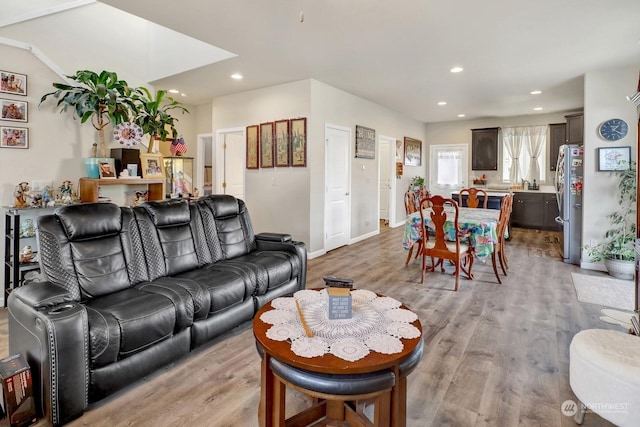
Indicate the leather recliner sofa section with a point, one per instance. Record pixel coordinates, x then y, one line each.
130 290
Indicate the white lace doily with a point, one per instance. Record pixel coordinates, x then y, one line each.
377 324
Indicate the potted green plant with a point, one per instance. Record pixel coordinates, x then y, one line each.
617 248
417 182
101 98
152 114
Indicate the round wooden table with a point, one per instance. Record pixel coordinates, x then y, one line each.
271 411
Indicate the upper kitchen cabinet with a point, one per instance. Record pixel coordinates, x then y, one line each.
484 149
557 137
575 128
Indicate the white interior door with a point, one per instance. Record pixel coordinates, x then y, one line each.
337 183
449 165
204 177
385 178
229 161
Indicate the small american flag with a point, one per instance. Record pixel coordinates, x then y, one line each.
178 147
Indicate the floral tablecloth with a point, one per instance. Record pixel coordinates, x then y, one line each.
481 224
378 323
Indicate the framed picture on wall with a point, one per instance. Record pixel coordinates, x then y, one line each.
399 151
298 136
266 145
614 158
12 110
412 152
365 142
13 83
14 137
282 142
253 140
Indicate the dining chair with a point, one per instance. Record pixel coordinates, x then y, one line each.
498 249
411 205
460 254
509 208
472 197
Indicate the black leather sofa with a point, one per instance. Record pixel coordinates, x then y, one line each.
129 290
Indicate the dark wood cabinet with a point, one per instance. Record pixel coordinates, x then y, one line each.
557 137
575 128
535 210
484 149
550 213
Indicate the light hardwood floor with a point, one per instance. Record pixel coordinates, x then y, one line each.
495 355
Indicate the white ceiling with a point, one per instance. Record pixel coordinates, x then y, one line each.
394 53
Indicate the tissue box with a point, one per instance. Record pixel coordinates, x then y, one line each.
339 303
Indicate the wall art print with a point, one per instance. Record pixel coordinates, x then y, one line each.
253 140
412 152
14 137
266 145
13 83
282 143
12 110
365 143
298 136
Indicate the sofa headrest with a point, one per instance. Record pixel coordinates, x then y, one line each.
168 212
222 205
89 220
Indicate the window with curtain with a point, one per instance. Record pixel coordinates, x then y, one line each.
523 158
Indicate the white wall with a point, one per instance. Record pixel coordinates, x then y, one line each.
605 98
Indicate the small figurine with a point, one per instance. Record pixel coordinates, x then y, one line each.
36 199
20 194
196 193
47 196
27 228
66 191
27 254
124 173
141 197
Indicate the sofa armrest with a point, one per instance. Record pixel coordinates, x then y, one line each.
274 237
54 339
293 246
42 295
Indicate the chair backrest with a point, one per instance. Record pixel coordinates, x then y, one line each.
423 193
437 205
505 214
411 202
472 197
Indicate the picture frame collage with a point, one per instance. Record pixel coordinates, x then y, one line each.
13 110
281 143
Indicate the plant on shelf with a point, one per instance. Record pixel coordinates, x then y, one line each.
417 182
102 98
152 115
618 244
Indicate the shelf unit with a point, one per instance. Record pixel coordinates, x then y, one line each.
90 187
14 270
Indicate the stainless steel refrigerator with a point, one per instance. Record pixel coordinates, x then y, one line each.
568 184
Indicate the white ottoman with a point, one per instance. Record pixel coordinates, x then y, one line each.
604 373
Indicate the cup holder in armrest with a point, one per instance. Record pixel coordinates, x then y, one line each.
61 308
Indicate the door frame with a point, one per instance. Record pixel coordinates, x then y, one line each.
326 162
200 152
218 156
392 182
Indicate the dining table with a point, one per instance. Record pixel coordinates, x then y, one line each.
480 224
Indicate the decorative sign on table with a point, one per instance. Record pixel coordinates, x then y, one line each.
339 303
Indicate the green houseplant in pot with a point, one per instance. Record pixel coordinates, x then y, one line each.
153 115
617 250
417 182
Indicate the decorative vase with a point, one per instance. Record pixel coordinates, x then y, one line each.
620 269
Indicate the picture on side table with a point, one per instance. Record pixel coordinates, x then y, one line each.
298 136
13 137
13 110
253 140
282 142
412 152
13 83
152 165
266 145
107 168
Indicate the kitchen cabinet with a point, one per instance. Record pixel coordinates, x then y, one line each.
535 210
19 232
575 128
550 213
484 149
557 137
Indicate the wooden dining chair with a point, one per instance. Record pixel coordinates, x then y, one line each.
411 205
472 197
460 254
509 208
498 256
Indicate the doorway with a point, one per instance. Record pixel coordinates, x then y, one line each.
229 162
337 211
448 169
204 164
386 189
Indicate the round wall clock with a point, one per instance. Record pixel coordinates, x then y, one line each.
613 129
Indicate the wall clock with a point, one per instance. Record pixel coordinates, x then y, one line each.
613 129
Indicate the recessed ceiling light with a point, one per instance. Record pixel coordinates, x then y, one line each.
537 108
236 76
457 69
174 91
462 115
442 103
535 92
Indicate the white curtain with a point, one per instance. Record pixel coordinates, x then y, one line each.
513 141
537 136
448 168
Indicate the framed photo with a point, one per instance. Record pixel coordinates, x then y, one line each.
253 140
13 83
266 145
282 142
298 136
107 168
614 158
399 151
365 143
152 165
13 110
14 137
412 152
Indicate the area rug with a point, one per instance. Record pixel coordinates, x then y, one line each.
604 290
